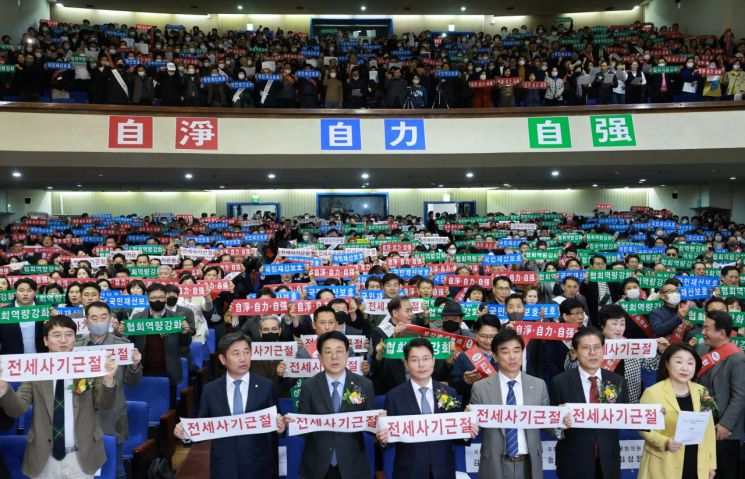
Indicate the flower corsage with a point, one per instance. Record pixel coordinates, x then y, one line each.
79 386
445 401
609 393
708 403
353 396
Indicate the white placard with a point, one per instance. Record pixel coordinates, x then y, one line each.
257 422
305 368
691 427
96 262
122 352
616 416
356 341
268 351
358 421
629 348
427 427
46 366
434 240
631 454
519 417
197 253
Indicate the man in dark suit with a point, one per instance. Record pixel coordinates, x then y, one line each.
332 455
464 373
587 453
26 337
421 395
252 456
172 293
599 294
723 375
161 353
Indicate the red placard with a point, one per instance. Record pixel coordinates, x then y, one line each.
535 85
462 343
486 245
480 362
218 285
603 206
463 281
259 307
237 252
334 271
196 133
443 268
398 262
522 277
130 132
387 248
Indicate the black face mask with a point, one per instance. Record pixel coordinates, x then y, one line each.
157 306
269 337
451 326
171 301
515 316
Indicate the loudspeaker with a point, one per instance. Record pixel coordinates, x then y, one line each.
675 195
27 200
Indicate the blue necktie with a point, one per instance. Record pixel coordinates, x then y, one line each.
336 404
425 404
510 435
237 398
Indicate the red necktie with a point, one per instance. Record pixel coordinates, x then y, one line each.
594 393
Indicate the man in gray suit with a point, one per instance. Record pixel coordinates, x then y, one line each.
65 439
510 453
334 455
723 374
112 421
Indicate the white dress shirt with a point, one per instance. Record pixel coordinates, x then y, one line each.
522 442
430 395
586 384
230 389
28 333
69 413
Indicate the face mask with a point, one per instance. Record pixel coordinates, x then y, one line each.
171 73
647 57
142 74
37 55
248 63
521 62
269 337
451 326
241 76
452 251
332 74
516 316
206 64
157 306
99 329
554 74
544 67
689 64
718 238
171 301
415 82
287 72
482 77
221 66
735 67
191 72
673 299
306 238
633 294
662 64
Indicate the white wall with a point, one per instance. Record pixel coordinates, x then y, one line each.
699 16
301 23
40 201
567 201
17 15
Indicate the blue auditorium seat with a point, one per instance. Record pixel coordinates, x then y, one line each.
285 406
294 445
11 98
184 378
155 391
79 96
211 342
44 99
137 417
197 350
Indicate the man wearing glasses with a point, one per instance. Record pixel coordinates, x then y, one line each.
464 373
588 453
669 319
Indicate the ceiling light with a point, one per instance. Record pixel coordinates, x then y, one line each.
79 186
463 8
662 186
188 176
271 176
17 174
240 7
365 206
440 186
555 173
222 187
60 5
363 8
469 175
594 185
732 178
50 187
625 187
364 176
642 180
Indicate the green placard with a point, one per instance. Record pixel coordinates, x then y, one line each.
465 243
378 228
431 256
548 276
7 296
604 246
696 316
665 69
563 20
570 237
40 268
655 282
142 327
640 307
612 130
697 248
599 29
258 50
603 41
732 292
7 68
469 258
24 314
143 271
610 275
52 298
394 347
356 229
598 237
79 59
295 394
648 257
728 257
740 342
549 132
435 313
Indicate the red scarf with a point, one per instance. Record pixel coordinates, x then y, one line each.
717 356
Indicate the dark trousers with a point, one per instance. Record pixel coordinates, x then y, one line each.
728 460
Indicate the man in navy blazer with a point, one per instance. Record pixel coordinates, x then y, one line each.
251 456
422 395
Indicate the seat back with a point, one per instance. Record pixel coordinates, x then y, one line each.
294 449
211 341
155 391
137 417
197 351
13 448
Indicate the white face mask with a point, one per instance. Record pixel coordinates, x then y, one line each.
483 77
142 74
633 294
673 299
332 74
521 62
452 251
689 64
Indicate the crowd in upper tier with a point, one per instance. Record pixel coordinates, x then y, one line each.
556 65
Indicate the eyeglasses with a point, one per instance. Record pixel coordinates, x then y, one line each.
488 337
594 348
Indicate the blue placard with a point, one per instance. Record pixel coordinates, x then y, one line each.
663 224
447 74
212 79
312 261
170 26
133 62
494 259
102 216
561 54
199 239
238 85
340 134
126 301
73 311
609 220
696 238
618 227
401 53
156 63
311 52
638 237
92 239
217 225
455 46
439 278
308 74
283 268
347 258
58 66
348 45
80 231
373 48
268 76
231 242
699 281
575 273
38 230
256 238
630 248
404 134
408 273
589 226
292 294
685 228
137 238
694 292
511 43
339 291
532 311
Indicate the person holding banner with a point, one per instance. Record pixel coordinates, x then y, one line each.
67 436
249 456
663 455
466 372
601 293
113 421
722 373
588 453
510 453
25 337
670 318
422 395
332 455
